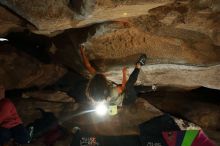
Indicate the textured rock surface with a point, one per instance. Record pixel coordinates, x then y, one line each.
8 21
180 36
173 57
174 75
159 49
199 106
18 70
50 96
52 15
42 14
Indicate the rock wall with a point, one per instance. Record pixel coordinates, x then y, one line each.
52 15
19 70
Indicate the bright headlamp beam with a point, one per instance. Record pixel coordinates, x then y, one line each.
3 39
101 109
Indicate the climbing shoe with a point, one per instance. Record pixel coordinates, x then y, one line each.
142 59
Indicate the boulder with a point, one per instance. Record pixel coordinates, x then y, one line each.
19 70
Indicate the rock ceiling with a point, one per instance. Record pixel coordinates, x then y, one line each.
181 39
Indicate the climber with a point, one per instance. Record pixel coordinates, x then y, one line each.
11 126
99 88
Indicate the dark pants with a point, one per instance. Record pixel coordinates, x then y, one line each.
130 92
55 133
18 133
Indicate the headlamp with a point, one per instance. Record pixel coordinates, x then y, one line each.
101 109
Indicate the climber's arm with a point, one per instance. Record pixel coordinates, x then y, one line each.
124 80
86 61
